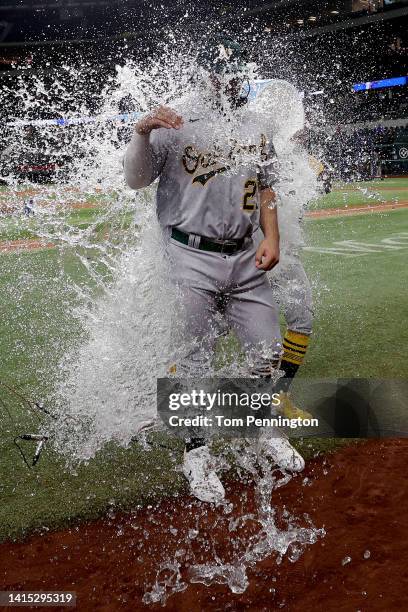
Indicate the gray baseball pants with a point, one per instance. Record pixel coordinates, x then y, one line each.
213 286
291 289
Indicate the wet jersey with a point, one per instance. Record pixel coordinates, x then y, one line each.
211 190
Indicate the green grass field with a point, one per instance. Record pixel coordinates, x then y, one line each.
364 193
360 297
360 331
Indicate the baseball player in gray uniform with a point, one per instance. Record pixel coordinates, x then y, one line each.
208 208
290 284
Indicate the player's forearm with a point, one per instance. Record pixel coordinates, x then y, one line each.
137 163
269 215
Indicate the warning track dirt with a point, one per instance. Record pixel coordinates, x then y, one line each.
34 244
333 212
358 494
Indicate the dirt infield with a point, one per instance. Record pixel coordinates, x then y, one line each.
353 210
34 244
372 188
25 245
7 208
357 494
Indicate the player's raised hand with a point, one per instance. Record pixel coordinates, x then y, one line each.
267 254
160 117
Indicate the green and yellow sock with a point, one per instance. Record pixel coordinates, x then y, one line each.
294 350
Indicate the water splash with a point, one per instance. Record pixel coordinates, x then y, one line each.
253 536
105 385
168 581
270 539
123 307
110 382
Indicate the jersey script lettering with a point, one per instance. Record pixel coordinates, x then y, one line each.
201 164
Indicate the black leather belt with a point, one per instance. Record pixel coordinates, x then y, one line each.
228 247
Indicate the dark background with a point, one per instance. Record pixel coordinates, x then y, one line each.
324 47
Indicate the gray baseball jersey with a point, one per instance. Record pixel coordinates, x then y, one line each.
290 284
209 185
211 190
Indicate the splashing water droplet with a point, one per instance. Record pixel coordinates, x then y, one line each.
119 300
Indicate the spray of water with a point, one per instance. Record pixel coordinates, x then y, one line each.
252 536
104 386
